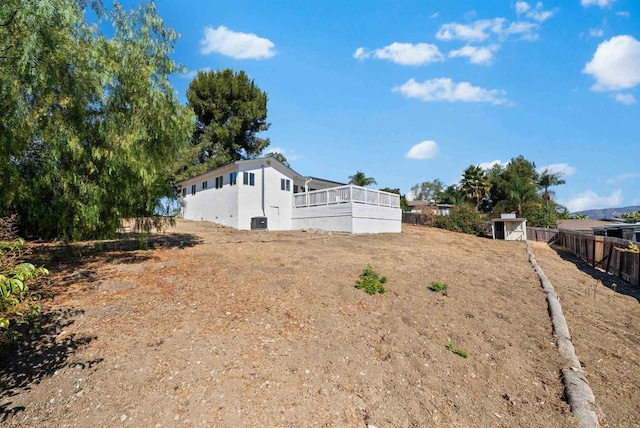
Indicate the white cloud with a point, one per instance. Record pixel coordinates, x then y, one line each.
477 31
596 32
623 177
403 53
616 64
193 73
537 14
522 7
477 55
527 30
626 99
601 3
623 14
489 165
435 15
235 44
559 168
425 150
589 200
444 89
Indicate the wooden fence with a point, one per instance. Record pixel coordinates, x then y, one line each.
414 218
543 234
600 252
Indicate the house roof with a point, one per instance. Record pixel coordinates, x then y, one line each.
280 165
585 225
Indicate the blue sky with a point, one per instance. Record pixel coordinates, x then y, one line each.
411 91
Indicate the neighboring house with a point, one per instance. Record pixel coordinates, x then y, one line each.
421 206
583 225
266 194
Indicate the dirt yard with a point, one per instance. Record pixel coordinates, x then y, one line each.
216 327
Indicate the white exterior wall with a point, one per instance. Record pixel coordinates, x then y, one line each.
211 204
277 203
376 219
351 217
515 230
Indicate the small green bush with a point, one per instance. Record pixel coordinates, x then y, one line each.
371 282
462 218
18 307
442 287
458 351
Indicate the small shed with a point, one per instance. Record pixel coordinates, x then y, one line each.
509 227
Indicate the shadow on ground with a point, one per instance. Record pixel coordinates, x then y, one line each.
615 283
36 357
127 248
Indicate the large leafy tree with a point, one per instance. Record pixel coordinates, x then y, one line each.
428 191
89 124
474 184
360 179
230 112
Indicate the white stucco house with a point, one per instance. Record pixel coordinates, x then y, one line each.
266 194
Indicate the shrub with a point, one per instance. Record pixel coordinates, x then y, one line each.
458 351
462 218
18 307
371 282
442 287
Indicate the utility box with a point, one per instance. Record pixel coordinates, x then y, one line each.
258 223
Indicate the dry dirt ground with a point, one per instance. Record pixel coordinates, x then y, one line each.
216 327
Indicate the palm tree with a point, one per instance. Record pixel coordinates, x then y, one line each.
521 192
474 184
360 179
548 179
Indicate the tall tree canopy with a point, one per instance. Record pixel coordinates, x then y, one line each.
474 184
230 111
89 124
360 179
549 179
431 191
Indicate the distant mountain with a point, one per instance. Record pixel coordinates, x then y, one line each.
608 212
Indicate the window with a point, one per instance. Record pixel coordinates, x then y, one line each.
204 184
285 184
184 192
233 178
249 178
193 189
219 182
295 188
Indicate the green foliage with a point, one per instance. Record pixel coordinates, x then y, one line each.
458 351
631 248
360 179
371 282
474 184
404 205
89 123
462 218
18 307
630 217
431 191
230 111
452 195
441 287
548 179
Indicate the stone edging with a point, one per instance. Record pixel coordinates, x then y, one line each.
576 386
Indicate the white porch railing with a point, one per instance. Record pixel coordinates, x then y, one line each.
343 194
